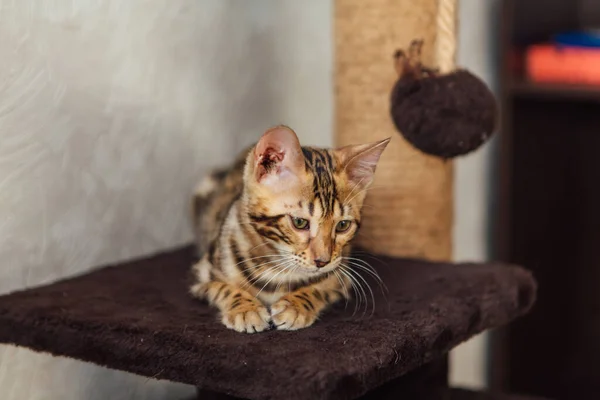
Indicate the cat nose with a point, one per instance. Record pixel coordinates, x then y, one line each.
320 263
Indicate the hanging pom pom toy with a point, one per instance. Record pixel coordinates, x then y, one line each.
444 115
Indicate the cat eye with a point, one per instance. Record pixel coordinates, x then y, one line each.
343 226
300 223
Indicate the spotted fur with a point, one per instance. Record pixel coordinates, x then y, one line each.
260 264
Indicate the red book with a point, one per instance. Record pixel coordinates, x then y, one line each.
552 64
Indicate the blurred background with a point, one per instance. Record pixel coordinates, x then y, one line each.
102 99
547 194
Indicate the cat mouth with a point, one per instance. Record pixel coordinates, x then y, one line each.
315 271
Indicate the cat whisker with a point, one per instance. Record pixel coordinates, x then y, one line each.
260 270
257 246
344 287
273 269
358 194
357 290
363 191
353 189
350 271
379 282
259 257
364 301
360 283
382 287
367 254
365 266
371 256
280 258
363 263
275 276
261 274
265 267
285 278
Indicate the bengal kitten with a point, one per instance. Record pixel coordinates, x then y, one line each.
274 230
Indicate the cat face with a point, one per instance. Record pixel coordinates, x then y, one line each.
306 201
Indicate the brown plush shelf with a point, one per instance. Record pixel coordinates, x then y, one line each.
138 317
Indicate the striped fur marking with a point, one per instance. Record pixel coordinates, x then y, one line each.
271 246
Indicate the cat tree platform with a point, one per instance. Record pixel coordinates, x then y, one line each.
138 317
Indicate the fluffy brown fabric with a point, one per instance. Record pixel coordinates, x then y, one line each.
432 393
138 317
447 115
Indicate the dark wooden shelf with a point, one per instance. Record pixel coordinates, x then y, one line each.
547 217
560 91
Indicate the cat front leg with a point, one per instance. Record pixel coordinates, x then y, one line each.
239 310
300 309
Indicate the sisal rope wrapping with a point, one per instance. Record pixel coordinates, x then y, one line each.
408 211
445 43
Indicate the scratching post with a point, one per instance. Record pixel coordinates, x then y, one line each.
408 211
445 44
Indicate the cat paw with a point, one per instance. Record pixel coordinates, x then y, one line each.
247 317
290 316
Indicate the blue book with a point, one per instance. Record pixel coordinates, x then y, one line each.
578 39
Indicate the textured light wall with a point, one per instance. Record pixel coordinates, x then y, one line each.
473 177
109 113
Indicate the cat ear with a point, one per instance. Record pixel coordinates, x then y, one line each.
277 155
360 161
